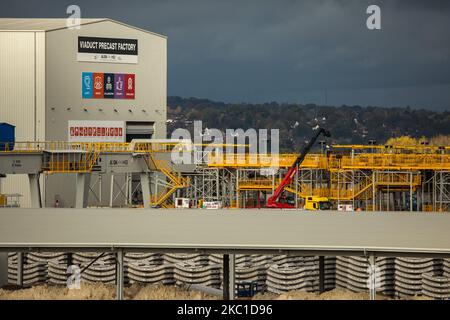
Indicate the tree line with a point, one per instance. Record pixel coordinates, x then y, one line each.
348 124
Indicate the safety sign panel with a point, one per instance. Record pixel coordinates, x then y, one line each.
96 85
96 131
129 88
86 85
119 86
108 85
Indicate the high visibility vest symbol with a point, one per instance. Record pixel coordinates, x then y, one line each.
108 83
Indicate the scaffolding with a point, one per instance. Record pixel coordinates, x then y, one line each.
374 178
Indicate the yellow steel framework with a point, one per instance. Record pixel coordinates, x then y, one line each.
264 161
352 172
177 182
375 161
423 158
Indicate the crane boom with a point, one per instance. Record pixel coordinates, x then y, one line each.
287 179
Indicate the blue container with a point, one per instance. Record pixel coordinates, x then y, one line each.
7 136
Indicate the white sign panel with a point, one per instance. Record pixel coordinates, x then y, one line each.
212 205
182 203
105 57
96 131
345 207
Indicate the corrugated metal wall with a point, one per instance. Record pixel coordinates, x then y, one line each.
20 63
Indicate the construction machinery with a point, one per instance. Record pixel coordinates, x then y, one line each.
317 203
278 194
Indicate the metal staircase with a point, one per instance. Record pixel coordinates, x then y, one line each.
164 200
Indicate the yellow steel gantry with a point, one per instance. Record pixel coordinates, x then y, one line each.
355 171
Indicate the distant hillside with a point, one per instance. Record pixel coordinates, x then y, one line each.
348 124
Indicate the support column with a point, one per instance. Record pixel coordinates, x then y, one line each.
119 275
20 269
69 259
145 185
237 188
36 202
372 278
111 191
127 189
226 277
35 190
100 189
83 181
373 191
232 287
3 269
411 191
321 274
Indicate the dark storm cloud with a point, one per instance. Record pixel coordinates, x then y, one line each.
290 50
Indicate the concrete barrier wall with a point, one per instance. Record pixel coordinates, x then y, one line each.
3 269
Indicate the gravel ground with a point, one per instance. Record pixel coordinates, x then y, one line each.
158 292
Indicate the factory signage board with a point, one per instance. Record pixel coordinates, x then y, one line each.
111 50
96 131
107 85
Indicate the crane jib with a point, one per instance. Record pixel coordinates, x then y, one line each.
272 201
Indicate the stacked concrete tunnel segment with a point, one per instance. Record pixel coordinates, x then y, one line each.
285 258
273 273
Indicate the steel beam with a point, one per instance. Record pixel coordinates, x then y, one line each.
372 278
35 190
20 269
145 185
3 269
232 269
120 280
321 274
82 190
69 259
226 277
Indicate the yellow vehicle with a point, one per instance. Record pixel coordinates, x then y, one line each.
2 200
317 203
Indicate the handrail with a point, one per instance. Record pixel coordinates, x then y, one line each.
379 161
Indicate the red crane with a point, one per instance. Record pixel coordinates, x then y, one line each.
273 200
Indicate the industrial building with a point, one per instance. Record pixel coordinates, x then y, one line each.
103 81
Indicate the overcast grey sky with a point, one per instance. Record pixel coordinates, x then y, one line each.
289 50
